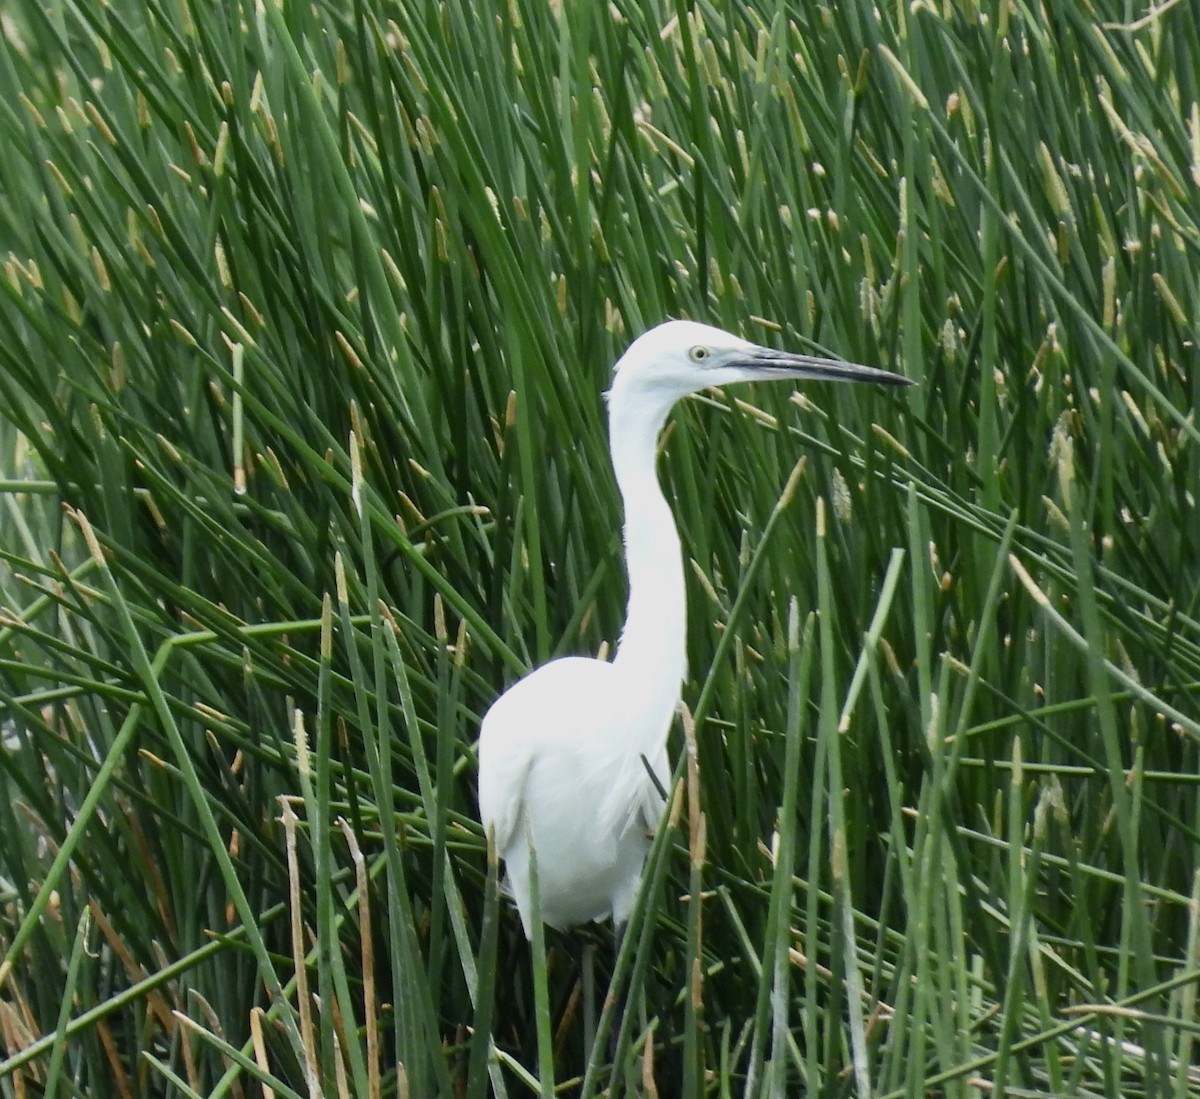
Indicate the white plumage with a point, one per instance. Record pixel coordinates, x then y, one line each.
561 751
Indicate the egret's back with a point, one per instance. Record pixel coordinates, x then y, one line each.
560 760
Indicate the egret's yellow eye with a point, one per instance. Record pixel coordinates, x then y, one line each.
698 354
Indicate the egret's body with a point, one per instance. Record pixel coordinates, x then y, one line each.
563 753
591 841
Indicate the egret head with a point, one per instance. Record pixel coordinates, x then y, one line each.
681 357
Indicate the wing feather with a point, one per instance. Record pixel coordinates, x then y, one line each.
505 759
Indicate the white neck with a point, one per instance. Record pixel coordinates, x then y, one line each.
652 653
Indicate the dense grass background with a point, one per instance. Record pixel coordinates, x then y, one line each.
306 310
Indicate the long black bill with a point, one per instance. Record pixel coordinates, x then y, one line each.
785 364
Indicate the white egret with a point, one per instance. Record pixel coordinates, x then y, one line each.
561 751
